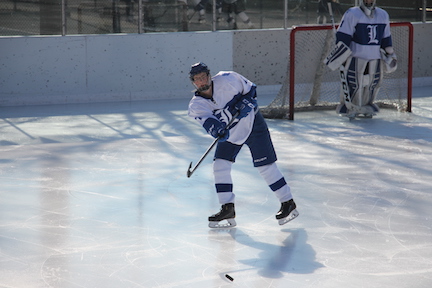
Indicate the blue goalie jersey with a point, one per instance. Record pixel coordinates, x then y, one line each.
364 35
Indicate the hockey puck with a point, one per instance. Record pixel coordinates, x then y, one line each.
229 277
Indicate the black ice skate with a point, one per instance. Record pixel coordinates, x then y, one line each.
287 212
227 213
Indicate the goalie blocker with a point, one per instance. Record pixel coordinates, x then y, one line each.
338 56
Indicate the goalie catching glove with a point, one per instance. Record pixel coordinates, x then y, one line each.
390 61
338 56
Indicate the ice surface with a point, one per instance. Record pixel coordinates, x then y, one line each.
96 195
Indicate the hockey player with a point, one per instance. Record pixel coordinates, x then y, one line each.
201 8
236 8
215 102
363 51
323 10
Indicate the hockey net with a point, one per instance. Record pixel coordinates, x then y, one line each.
310 85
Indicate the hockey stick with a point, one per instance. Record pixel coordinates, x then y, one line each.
315 94
331 16
190 18
190 171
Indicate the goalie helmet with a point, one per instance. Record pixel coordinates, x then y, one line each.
368 7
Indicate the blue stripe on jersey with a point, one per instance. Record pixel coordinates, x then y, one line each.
224 188
278 184
368 34
345 38
386 42
236 98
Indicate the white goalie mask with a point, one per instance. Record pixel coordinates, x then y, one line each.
368 7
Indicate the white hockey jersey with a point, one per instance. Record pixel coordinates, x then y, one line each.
364 35
226 86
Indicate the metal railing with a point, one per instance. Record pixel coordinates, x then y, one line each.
68 17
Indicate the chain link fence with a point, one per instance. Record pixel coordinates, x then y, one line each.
69 17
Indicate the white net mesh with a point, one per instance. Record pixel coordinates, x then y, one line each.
310 85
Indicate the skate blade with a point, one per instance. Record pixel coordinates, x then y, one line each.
229 224
368 116
290 217
351 116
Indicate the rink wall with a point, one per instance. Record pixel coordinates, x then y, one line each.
127 67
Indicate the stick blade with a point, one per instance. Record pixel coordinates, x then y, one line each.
189 172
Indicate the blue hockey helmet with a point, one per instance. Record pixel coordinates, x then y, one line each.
198 68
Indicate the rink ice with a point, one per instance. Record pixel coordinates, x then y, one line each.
96 195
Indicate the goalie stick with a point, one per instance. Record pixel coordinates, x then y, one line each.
190 171
315 94
331 17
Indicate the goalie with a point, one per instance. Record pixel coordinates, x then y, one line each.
363 51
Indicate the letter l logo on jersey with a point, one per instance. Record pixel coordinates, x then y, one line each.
372 34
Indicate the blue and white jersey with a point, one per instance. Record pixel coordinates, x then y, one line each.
364 35
228 87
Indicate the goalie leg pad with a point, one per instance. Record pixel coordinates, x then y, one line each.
349 86
361 75
375 79
338 56
360 80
